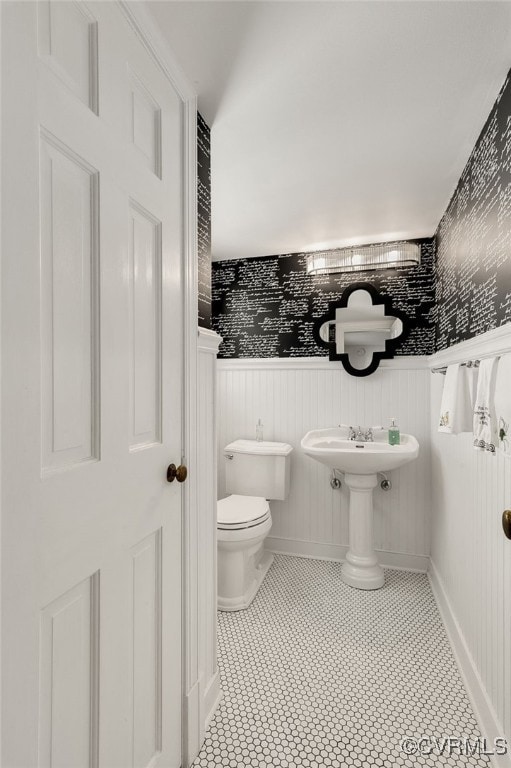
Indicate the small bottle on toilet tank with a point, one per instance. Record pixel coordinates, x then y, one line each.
259 431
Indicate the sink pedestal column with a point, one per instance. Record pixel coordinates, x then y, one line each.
361 568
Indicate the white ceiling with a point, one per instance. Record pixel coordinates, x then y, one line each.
336 122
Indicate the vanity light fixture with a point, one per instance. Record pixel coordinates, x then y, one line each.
364 258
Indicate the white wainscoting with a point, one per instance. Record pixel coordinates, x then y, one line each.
208 675
201 680
453 491
470 557
292 396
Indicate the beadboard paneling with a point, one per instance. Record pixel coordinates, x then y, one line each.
201 678
207 439
471 556
290 401
206 372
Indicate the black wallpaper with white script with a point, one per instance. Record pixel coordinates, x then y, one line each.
266 307
204 221
473 240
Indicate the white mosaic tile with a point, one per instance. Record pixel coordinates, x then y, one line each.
315 673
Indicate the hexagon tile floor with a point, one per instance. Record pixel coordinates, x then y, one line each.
315 673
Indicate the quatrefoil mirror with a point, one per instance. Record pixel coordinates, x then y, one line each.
361 329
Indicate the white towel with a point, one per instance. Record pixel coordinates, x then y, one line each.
485 422
457 408
503 404
471 373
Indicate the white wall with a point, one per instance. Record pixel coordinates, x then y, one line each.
292 396
207 547
470 557
201 680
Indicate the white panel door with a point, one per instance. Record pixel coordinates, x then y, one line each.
92 368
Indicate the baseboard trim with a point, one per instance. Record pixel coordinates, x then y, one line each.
211 699
192 741
337 552
488 721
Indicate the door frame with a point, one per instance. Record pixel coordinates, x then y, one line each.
149 34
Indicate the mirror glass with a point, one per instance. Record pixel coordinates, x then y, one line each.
360 329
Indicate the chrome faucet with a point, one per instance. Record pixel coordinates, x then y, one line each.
361 435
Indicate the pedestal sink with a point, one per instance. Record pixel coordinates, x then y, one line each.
360 462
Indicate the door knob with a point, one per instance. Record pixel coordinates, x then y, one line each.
176 473
506 522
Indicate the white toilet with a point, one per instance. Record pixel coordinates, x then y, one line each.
254 472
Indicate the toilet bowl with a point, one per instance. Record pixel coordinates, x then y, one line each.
255 471
243 523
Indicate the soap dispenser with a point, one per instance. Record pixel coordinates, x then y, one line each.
259 431
394 434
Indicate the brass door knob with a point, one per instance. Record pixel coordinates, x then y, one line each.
506 522
176 473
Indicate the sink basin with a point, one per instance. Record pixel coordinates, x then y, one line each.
333 448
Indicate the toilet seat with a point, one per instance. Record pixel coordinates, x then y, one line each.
238 512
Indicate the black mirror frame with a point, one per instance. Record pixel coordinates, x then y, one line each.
390 344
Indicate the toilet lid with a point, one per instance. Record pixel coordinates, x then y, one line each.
238 511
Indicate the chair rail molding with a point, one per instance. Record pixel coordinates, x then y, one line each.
208 340
399 363
494 342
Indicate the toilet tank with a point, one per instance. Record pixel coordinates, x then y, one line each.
258 468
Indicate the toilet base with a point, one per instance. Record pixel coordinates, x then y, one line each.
240 602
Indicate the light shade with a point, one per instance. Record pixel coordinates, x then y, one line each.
364 258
